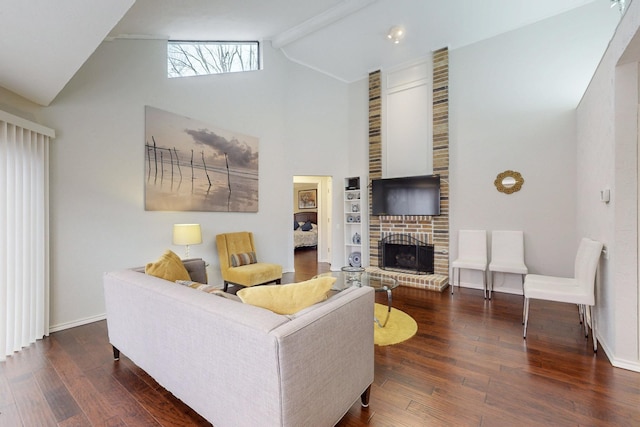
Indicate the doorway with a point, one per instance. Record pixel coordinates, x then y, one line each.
312 199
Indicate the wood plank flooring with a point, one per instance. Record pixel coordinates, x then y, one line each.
467 366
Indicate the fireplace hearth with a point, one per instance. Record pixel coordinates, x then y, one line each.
406 254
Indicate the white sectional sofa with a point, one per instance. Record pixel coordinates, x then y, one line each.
240 365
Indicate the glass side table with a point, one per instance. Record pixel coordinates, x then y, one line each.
352 275
356 276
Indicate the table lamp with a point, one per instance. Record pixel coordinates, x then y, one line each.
187 234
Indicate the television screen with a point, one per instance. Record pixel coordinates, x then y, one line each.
412 195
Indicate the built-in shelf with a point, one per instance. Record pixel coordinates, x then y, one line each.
355 207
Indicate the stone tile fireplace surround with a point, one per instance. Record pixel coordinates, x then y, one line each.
431 229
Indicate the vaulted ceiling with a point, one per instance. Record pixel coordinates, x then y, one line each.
43 43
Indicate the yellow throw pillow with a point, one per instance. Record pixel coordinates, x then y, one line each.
168 267
288 299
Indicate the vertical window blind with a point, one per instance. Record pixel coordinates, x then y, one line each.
24 232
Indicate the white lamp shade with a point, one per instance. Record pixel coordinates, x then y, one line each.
187 234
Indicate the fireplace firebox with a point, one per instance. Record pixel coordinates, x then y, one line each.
406 254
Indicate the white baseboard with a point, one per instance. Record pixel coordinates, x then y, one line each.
502 290
79 322
469 285
508 291
631 365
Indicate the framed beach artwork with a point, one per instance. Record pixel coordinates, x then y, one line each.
307 199
193 166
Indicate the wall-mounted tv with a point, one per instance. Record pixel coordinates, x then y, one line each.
411 195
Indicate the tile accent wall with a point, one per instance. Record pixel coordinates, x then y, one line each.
435 228
375 157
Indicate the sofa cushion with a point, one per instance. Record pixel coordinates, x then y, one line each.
168 267
254 274
244 258
290 298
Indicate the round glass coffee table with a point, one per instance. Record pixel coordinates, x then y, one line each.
349 277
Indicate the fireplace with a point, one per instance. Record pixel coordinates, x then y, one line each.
406 254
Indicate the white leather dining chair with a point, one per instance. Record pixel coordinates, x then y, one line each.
472 255
507 255
579 289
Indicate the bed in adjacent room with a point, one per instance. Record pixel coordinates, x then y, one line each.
305 230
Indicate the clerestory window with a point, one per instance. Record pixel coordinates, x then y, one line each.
197 58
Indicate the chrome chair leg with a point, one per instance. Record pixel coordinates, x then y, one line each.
526 316
593 328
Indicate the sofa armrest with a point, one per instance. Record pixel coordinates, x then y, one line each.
196 267
326 356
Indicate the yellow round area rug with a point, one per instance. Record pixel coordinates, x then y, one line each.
400 326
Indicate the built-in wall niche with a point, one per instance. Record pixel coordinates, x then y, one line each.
407 120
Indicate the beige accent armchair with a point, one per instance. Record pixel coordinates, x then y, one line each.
258 273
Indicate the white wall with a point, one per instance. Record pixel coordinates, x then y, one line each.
512 106
407 132
358 154
317 129
98 221
607 123
358 148
17 105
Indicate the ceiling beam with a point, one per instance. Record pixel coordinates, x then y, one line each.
317 22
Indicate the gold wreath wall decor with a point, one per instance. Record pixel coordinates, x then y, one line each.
509 182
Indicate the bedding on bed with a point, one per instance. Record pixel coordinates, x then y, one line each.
302 239
305 229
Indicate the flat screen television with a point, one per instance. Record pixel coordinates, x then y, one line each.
411 195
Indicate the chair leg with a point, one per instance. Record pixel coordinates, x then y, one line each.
226 285
526 316
484 283
585 322
593 329
453 279
490 283
581 313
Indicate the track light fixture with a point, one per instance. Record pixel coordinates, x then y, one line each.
619 3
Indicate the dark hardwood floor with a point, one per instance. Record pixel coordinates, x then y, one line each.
467 366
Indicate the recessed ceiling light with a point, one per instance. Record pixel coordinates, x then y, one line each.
396 33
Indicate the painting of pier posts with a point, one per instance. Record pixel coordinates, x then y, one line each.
192 166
